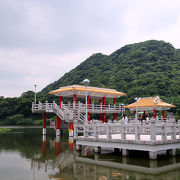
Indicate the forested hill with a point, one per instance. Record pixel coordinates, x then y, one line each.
143 69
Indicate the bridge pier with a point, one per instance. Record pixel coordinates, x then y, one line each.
125 152
97 149
171 152
152 155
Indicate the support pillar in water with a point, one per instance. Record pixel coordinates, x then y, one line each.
44 123
152 155
125 152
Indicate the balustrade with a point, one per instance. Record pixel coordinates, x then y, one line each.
136 132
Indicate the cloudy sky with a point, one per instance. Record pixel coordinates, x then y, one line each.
40 40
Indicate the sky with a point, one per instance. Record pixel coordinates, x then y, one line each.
41 40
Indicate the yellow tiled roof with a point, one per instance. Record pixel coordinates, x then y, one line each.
89 89
149 102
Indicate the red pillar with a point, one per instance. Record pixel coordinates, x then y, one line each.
58 122
100 115
104 107
44 122
155 114
163 114
114 102
75 99
88 107
60 101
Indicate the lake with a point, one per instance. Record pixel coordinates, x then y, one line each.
26 154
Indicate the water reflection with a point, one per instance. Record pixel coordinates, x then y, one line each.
30 155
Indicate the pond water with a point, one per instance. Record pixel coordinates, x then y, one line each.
26 154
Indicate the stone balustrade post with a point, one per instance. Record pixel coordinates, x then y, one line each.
123 132
164 133
173 131
137 134
108 131
92 105
40 105
152 130
95 132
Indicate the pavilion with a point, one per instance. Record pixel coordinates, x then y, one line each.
100 94
150 104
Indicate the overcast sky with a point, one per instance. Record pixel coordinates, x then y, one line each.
40 40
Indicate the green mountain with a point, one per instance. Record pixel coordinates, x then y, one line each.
143 69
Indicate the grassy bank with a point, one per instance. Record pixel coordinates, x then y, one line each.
4 130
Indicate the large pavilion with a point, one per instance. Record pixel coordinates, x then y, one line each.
100 94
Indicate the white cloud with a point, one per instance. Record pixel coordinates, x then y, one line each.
19 71
40 40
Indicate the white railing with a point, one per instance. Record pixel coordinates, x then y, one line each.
109 107
64 112
135 132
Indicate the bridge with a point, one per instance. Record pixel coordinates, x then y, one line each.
153 137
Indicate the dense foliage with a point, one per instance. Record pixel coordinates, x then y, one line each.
143 69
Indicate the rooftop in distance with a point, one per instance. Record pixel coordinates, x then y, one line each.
150 103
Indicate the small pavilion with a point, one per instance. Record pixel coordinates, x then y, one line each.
150 104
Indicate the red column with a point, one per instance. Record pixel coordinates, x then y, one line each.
75 99
60 101
58 123
114 102
104 107
44 122
100 115
163 114
88 107
155 114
